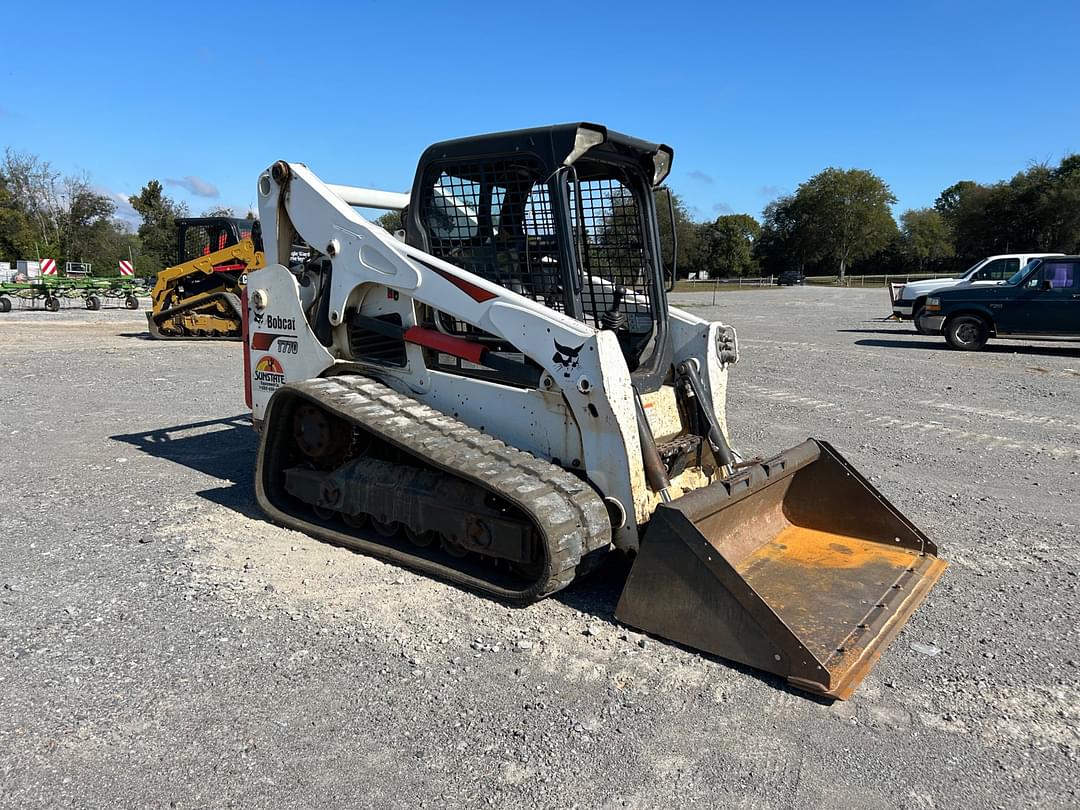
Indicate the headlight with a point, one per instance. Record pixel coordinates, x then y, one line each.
933 304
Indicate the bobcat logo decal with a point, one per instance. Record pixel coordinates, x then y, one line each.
566 357
258 317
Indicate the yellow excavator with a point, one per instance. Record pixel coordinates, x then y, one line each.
199 297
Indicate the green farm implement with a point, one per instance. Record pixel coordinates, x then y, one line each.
92 292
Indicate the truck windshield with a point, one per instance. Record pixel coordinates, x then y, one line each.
1019 275
973 268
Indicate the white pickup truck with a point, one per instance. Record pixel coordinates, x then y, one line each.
909 299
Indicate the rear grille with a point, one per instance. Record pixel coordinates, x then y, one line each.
375 347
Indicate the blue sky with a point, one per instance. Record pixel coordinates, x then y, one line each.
754 100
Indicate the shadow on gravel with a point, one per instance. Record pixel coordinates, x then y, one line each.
898 332
222 448
181 342
990 348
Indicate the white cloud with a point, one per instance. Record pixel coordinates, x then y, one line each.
124 212
195 185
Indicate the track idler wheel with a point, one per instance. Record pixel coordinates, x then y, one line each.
319 436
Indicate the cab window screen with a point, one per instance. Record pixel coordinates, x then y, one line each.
495 219
201 240
616 289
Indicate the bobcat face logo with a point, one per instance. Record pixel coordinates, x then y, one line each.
259 317
566 358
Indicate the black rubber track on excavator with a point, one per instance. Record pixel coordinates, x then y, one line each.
567 512
231 299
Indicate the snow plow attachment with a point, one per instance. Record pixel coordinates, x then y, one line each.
797 566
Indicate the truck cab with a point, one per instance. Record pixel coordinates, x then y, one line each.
909 299
1041 301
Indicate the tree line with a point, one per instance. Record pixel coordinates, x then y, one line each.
45 214
839 221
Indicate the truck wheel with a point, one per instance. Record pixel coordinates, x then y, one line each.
93 302
917 314
968 333
131 302
5 304
52 304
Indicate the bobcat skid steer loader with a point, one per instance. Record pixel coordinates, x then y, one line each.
499 394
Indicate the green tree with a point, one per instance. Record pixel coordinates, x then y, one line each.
1062 206
726 246
157 233
16 230
785 242
390 221
1037 209
924 236
686 230
87 229
45 215
843 215
35 187
218 211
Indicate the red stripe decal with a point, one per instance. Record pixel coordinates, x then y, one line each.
247 354
478 294
465 349
262 341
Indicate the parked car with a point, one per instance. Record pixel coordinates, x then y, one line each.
1041 301
909 299
789 278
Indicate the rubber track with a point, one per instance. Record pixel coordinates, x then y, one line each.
155 329
569 513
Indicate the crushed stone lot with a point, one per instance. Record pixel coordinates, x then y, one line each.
162 645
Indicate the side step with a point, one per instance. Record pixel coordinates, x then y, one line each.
797 566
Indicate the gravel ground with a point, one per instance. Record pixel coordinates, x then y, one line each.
161 645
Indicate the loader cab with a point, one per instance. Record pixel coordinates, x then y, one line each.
201 236
561 215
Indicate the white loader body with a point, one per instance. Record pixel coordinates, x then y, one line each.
375 274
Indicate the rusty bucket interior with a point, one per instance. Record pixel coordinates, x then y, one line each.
797 566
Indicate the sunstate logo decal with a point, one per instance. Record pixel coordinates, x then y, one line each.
269 374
